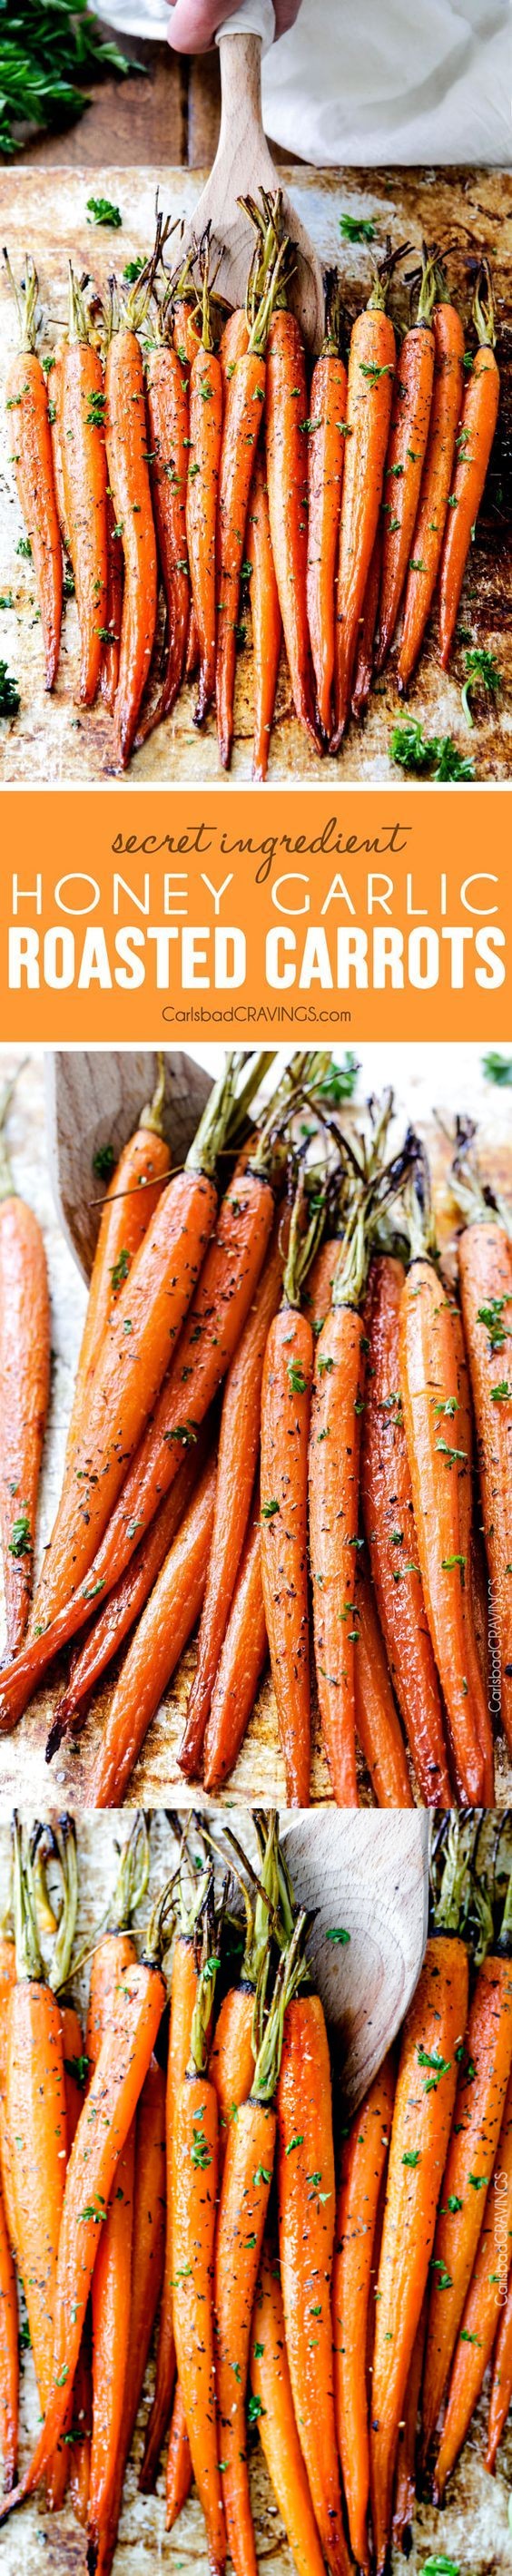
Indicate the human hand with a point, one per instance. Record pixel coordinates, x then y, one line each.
193 23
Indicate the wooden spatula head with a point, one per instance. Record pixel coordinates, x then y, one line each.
94 1099
242 166
363 1874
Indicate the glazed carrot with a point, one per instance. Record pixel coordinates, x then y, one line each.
54 383
32 460
109 673
184 1985
128 474
477 2118
244 2198
127 1600
271 2389
156 1647
111 2282
7 1980
265 613
205 432
129 1204
333 1510
362 2169
326 453
405 2479
474 442
24 1388
371 369
84 469
377 1725
243 1656
388 1515
242 425
287 473
501 2389
233 2053
9 2363
485 1273
233 345
483 2307
193 645
435 485
410 417
238 1456
194 2191
285 1424
424 2098
365 655
437 1463
36 2118
306 2194
148 2248
178 2475
476 1671
168 410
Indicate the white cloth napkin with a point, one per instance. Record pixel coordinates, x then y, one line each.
408 81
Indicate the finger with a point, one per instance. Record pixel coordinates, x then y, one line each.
193 23
286 13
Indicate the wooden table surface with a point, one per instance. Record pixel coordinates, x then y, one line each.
168 112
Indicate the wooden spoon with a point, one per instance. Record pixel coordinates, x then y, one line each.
95 1099
242 166
365 1874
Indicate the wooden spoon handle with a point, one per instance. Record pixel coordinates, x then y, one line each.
240 71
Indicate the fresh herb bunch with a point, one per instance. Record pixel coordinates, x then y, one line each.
47 50
428 755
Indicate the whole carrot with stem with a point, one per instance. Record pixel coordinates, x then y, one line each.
363 2164
485 1274
156 1647
410 417
377 1724
433 2032
326 456
36 2110
132 1198
184 1985
287 471
84 470
306 2201
338 1395
429 528
482 2310
125 1604
265 612
365 654
111 2284
244 2199
233 2052
242 427
242 1659
128 474
24 1387
437 1463
482 2085
285 1423
474 442
194 2190
388 1515
238 1456
147 2268
205 432
371 369
32 460
277 2427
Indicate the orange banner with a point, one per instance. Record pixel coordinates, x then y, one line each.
142 915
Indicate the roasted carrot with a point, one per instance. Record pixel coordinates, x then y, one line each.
285 1425
168 412
109 673
7 1980
24 1388
233 2051
306 2194
435 484
156 1647
184 1985
362 2168
326 452
32 460
9 2363
128 474
232 346
54 382
243 1656
371 369
242 425
287 472
437 1463
483 2307
476 1670
424 2098
36 2118
377 1724
482 2085
277 2427
84 469
126 1602
111 2283
405 2478
474 442
485 1273
205 434
388 1514
178 2475
410 417
265 612
187 327
132 1198
238 1456
333 1508
194 2190
148 2247
244 2198
365 654
106 2118
501 2389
